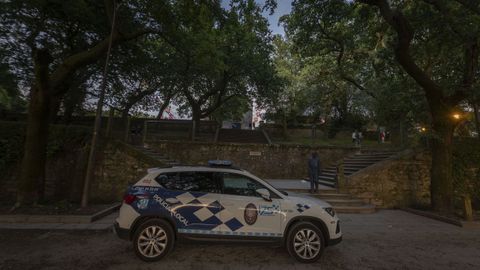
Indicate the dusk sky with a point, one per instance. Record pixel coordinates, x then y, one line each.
283 7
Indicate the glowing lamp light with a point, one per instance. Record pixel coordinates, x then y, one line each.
456 116
423 129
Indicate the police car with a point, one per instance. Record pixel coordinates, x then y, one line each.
220 202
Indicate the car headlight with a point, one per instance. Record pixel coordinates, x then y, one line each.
330 211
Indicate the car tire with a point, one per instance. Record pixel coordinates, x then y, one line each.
305 242
153 239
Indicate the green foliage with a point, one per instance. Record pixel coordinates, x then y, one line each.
232 109
11 143
219 53
350 51
466 167
10 97
61 138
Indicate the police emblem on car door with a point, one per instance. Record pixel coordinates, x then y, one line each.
257 216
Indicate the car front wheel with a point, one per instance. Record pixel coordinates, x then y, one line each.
153 240
305 242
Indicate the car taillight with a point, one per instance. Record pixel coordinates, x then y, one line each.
129 198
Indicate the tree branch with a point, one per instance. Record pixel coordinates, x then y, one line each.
405 35
217 105
470 6
83 58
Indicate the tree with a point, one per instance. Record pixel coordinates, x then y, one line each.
313 88
142 75
418 35
223 53
447 79
61 37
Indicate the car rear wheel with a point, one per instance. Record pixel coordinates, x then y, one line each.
153 240
305 242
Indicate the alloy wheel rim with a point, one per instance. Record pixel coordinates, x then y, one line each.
152 241
307 244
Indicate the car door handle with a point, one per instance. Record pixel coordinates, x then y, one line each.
172 200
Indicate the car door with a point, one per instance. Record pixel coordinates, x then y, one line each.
192 198
245 212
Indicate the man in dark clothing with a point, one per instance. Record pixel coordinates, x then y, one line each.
313 171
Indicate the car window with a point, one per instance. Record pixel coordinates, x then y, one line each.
189 181
237 184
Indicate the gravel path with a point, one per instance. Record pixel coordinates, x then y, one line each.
388 239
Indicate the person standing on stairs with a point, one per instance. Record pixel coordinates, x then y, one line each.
313 172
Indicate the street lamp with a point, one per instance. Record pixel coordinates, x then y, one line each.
456 116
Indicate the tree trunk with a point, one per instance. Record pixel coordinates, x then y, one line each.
111 114
163 108
54 108
126 124
477 118
441 187
196 116
32 175
284 125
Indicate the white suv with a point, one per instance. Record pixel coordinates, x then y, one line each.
219 202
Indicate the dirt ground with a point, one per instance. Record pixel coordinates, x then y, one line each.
388 239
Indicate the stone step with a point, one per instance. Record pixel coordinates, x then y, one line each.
332 196
378 153
327 183
345 202
354 166
327 179
365 209
362 159
303 191
350 162
332 170
159 156
328 173
372 155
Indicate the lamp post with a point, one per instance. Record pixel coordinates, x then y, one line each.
98 117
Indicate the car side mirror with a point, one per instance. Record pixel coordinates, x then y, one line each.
264 193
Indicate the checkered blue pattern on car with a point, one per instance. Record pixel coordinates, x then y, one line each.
201 210
302 207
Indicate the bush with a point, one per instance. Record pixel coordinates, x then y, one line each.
61 138
466 167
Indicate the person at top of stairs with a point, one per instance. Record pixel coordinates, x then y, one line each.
313 171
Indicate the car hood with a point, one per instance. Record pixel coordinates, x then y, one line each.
303 198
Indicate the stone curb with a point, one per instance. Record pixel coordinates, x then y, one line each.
55 227
456 222
60 219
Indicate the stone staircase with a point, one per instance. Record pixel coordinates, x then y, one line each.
354 164
341 202
344 203
156 155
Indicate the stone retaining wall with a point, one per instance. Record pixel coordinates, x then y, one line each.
267 161
118 166
398 182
